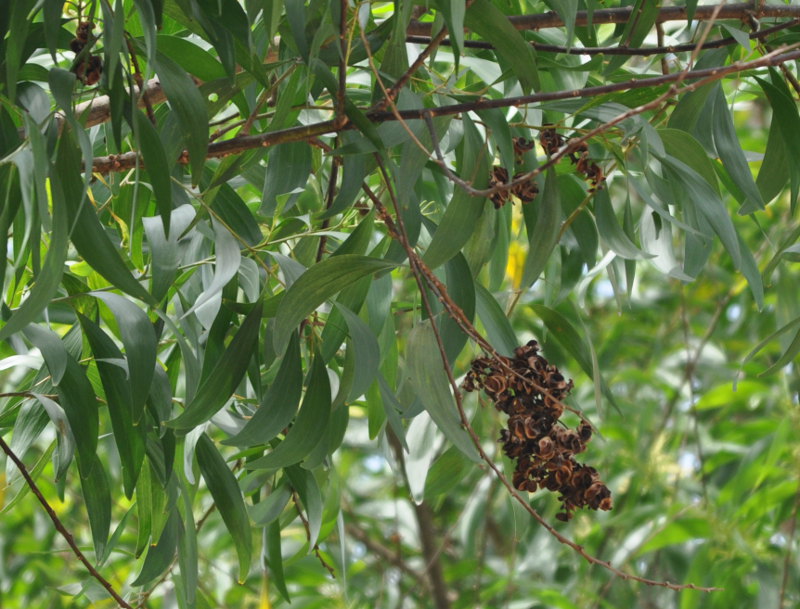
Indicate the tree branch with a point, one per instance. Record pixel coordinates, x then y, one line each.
61 528
541 21
237 145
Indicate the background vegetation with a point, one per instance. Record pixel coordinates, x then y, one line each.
252 249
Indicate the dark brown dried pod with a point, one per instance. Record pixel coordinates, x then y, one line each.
550 139
521 146
525 191
498 177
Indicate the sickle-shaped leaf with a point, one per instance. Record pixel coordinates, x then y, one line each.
309 426
218 386
75 393
228 498
278 405
139 339
427 376
318 284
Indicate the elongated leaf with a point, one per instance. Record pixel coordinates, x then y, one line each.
274 558
155 159
97 498
279 405
315 286
160 556
491 24
128 437
267 510
65 187
461 216
228 258
165 251
140 343
563 331
218 386
190 109
610 230
543 236
427 376
730 152
367 352
305 484
228 498
498 328
74 391
309 426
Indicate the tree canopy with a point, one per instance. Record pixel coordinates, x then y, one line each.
399 304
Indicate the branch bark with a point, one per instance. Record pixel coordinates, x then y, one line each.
61 528
742 10
237 145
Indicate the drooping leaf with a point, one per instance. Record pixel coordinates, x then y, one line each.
228 498
279 404
308 428
219 385
315 286
426 375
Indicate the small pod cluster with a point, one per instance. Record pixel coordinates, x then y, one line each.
552 141
525 191
530 391
88 67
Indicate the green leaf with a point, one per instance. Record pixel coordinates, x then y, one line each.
367 352
228 498
309 427
610 230
65 188
279 404
128 437
461 216
498 328
305 484
427 375
165 252
222 381
139 340
730 152
97 498
228 257
563 331
274 557
318 284
486 20
266 511
155 160
74 391
160 556
189 107
543 235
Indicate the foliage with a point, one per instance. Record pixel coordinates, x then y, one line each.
253 248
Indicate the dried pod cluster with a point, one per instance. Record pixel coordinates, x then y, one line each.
552 141
88 67
530 391
525 191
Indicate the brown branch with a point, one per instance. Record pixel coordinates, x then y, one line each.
237 145
98 110
551 19
61 528
620 50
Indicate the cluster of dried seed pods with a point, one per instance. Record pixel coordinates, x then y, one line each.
530 391
525 191
552 141
88 68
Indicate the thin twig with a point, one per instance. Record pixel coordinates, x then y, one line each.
61 528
